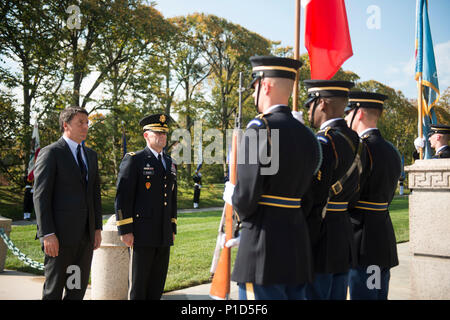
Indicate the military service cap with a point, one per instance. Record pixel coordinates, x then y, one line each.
273 67
155 122
439 128
326 89
360 99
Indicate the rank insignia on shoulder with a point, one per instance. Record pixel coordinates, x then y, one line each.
131 154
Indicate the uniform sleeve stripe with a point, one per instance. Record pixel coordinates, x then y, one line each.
124 221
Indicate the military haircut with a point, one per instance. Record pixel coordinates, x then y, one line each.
67 115
336 105
372 113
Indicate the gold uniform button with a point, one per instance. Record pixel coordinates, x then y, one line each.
165 203
165 194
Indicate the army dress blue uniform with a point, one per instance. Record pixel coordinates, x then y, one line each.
274 258
373 230
326 202
275 247
146 205
444 151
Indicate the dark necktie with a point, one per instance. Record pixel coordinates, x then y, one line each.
160 161
81 164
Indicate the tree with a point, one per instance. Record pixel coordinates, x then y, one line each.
227 48
28 41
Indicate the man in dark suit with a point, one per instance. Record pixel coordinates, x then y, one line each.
68 207
274 259
327 200
373 230
146 210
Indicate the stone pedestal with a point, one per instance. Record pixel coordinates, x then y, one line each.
109 275
429 228
5 224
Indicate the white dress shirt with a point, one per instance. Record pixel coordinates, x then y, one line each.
156 156
73 148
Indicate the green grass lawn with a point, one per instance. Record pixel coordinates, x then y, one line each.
190 259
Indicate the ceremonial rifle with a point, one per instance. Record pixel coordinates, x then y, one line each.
220 286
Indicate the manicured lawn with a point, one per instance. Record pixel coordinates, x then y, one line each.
191 256
399 210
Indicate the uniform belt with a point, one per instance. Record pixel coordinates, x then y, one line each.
337 206
282 202
372 206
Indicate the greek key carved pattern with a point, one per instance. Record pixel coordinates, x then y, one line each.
429 180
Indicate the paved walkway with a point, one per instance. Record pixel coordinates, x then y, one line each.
23 286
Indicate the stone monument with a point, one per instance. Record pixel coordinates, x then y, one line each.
110 263
5 224
429 228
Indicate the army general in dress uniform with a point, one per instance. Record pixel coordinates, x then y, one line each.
327 200
274 258
373 229
146 210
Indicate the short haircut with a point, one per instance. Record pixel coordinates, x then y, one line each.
67 115
372 113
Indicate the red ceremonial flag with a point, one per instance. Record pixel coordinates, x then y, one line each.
327 37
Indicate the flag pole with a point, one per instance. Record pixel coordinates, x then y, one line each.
296 53
420 113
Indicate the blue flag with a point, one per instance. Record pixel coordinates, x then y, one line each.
426 71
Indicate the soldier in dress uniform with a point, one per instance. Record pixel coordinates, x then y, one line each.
197 188
146 209
28 205
337 179
439 136
274 257
373 231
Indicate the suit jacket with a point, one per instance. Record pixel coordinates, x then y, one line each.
274 246
331 231
146 199
373 229
64 204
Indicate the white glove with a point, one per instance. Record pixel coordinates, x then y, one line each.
228 192
234 242
299 116
419 143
